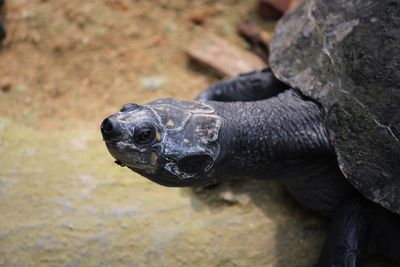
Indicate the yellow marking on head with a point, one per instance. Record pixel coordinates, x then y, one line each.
154 158
158 136
170 123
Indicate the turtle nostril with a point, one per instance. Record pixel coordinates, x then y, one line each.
110 128
107 126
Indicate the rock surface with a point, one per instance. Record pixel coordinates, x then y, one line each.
64 203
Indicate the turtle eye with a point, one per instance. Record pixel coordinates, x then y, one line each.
144 133
129 107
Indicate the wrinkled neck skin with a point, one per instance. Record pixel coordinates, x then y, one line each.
269 138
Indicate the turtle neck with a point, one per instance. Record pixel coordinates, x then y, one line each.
258 137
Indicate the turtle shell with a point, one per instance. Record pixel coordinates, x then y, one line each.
345 54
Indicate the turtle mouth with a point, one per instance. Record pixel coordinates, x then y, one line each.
165 178
127 154
190 170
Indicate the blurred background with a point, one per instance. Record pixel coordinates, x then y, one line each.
67 64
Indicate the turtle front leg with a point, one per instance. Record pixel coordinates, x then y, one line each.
250 86
348 234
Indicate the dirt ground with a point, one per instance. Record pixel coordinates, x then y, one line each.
69 63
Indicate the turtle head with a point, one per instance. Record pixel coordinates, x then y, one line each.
171 142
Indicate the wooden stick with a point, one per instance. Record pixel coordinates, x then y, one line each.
256 38
222 56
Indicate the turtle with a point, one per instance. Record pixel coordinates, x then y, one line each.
323 119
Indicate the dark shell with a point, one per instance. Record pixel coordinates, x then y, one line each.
346 55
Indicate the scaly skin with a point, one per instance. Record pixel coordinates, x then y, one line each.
252 86
259 136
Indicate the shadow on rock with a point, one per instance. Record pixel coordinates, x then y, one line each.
297 234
